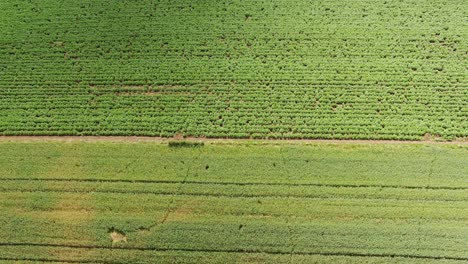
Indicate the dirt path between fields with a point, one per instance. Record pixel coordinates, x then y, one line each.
215 140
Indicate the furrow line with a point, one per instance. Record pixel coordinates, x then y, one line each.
240 183
225 195
46 260
243 251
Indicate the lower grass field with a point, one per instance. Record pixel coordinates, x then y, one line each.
226 202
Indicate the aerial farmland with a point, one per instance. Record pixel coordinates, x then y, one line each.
234 131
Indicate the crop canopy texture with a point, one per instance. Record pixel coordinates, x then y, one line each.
359 69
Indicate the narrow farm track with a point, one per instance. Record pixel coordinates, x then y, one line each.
243 196
45 260
460 141
232 201
236 183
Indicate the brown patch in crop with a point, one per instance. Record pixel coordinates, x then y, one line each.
63 164
57 44
70 214
70 217
77 255
152 93
178 136
255 259
148 90
432 138
71 210
117 236
127 93
183 212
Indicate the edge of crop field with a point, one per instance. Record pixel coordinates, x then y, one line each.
117 139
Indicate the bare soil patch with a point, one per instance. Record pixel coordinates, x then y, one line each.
117 236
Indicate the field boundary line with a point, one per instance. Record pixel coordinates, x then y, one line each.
244 251
463 141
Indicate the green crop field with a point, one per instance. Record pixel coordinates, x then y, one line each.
228 70
247 202
358 69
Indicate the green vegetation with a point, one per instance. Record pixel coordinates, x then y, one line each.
233 202
360 69
185 144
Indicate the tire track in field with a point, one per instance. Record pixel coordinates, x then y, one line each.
454 188
45 260
243 251
5 190
291 236
420 220
432 166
